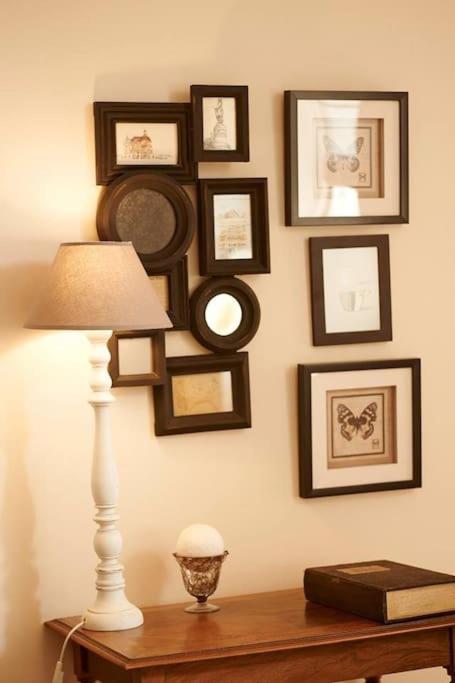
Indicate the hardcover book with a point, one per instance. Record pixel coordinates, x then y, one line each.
381 590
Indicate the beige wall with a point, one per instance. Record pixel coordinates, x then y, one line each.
57 57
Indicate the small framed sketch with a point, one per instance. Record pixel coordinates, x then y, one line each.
234 229
172 289
220 122
138 136
350 289
360 427
346 157
138 358
203 393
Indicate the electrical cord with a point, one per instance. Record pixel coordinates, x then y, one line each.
59 673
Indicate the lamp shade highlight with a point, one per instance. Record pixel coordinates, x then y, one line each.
98 286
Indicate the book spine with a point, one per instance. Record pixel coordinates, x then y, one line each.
364 601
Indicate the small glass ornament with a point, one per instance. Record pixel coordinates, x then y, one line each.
200 577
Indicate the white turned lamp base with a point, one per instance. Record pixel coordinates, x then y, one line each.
113 621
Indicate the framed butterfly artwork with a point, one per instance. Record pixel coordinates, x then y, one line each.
346 158
360 427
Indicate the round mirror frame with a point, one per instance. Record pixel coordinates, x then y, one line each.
251 314
159 182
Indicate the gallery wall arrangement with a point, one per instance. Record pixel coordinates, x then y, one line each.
145 154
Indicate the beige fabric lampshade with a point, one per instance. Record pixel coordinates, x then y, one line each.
98 286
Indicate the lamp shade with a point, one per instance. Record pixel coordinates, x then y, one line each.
98 286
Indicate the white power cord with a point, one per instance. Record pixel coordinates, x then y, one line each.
59 673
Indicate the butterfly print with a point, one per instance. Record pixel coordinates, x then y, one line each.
341 160
352 425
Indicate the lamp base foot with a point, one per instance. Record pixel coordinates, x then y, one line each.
113 621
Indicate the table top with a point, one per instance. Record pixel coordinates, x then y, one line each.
247 624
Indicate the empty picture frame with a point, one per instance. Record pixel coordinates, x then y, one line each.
350 289
203 393
138 358
234 226
220 122
359 427
143 136
171 285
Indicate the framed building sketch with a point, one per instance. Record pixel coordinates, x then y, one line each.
359 427
234 226
171 285
350 289
346 157
203 393
138 358
220 122
143 136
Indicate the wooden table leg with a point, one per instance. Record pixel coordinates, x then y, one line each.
80 668
373 679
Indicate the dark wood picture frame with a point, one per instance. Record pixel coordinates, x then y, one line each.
185 219
239 418
317 246
240 93
260 261
157 376
177 287
108 114
251 314
291 99
305 373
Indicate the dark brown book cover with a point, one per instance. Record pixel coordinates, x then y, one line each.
381 590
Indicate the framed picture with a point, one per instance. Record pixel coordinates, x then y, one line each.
346 157
234 226
350 289
203 393
360 427
143 136
172 288
220 122
138 358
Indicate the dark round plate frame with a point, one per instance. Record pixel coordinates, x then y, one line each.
251 314
176 195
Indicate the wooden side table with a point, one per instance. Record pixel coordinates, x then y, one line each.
263 638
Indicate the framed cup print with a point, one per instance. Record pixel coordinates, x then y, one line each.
203 393
143 136
359 427
234 226
346 158
220 122
350 289
138 358
171 285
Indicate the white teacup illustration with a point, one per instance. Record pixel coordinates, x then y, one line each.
359 299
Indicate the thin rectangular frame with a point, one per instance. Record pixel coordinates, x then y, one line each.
158 376
316 247
291 98
257 188
108 114
240 93
305 373
179 302
240 418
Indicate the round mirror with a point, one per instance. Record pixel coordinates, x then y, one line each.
223 314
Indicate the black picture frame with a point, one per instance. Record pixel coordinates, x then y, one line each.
177 287
166 423
250 308
108 114
257 189
317 246
291 101
305 373
158 351
240 93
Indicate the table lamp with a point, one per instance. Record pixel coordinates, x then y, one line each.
100 287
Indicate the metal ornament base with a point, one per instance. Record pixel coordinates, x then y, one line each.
201 608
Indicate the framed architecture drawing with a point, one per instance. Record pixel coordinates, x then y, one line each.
220 122
234 226
143 136
350 289
360 427
203 393
346 158
138 358
171 285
